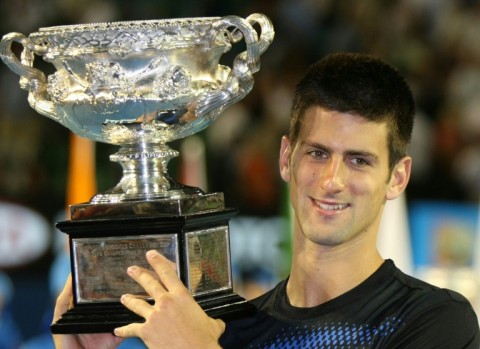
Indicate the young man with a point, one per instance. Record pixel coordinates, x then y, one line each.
345 156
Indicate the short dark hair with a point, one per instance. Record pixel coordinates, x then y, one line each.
363 85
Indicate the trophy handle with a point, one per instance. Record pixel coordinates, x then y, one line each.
266 31
31 79
240 80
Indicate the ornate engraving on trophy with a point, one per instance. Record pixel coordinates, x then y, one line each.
139 85
101 263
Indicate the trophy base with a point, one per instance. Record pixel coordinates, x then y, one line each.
103 247
104 319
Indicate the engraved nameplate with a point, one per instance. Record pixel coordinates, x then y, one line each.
100 264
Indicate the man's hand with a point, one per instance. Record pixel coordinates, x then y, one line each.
79 341
175 320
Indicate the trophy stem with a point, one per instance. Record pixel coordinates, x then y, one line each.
144 175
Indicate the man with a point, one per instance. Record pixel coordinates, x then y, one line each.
346 154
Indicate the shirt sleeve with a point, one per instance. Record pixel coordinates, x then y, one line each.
449 324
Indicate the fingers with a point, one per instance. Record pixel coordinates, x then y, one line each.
150 282
166 270
163 279
157 284
131 330
138 306
175 320
64 300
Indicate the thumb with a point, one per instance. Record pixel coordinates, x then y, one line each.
64 300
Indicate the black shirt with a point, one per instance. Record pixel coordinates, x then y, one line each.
388 310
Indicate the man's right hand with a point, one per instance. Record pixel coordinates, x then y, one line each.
79 341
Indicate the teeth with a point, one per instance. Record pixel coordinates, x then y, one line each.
331 207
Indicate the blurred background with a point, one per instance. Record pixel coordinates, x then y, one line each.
432 232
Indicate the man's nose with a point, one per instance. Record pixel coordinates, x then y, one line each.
333 177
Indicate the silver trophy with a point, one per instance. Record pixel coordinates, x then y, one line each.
141 85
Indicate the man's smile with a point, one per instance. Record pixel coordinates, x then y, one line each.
329 206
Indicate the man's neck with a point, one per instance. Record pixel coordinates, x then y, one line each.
320 273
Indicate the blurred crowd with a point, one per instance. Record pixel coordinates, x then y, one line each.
434 43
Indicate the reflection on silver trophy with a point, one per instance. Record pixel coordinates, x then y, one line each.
141 85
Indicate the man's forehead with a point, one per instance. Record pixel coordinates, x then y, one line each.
324 126
314 111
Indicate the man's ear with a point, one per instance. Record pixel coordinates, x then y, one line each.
399 178
284 159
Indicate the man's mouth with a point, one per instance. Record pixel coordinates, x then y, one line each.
330 206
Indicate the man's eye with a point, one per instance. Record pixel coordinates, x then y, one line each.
318 154
359 162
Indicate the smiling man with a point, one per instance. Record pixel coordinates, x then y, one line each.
345 156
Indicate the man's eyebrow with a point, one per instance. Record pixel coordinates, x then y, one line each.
361 153
348 152
317 146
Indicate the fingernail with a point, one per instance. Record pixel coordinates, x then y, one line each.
152 254
132 269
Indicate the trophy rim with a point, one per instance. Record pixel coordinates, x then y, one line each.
124 25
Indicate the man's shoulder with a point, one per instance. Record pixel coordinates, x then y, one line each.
437 317
424 295
434 315
420 290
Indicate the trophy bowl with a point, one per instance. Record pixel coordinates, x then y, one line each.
139 85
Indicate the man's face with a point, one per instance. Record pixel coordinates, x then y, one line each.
339 176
